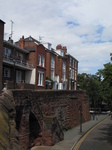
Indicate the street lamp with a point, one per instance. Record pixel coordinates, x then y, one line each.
14 61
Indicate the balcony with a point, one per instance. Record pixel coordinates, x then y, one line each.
18 63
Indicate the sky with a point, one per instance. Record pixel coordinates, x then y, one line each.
83 26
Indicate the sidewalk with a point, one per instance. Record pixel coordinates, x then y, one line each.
72 136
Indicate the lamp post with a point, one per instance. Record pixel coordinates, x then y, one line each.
14 61
80 118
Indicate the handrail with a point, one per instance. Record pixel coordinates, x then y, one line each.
18 61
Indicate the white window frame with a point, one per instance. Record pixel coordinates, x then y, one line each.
52 68
73 63
70 61
40 78
7 52
43 61
6 72
72 73
64 72
39 60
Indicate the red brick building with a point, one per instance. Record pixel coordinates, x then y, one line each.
37 56
61 68
16 66
1 50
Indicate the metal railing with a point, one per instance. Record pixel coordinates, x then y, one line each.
18 61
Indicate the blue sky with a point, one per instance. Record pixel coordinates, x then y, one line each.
84 26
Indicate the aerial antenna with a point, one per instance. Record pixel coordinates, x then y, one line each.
11 28
40 38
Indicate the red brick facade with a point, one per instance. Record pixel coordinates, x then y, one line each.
1 50
64 105
40 68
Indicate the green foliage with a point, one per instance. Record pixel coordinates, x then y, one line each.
92 84
106 83
99 86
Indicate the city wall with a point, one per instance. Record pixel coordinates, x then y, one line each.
40 117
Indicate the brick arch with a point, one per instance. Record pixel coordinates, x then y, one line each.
27 117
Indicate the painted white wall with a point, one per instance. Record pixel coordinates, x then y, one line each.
60 86
30 77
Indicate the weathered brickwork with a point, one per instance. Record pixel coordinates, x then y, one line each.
45 105
1 50
39 116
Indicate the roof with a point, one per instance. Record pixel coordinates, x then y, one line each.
2 21
31 39
14 46
67 54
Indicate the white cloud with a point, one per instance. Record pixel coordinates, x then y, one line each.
84 26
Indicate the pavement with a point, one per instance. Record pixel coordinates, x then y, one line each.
72 136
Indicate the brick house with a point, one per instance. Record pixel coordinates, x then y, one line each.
68 68
1 50
59 70
16 66
37 56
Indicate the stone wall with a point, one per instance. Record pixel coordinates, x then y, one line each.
39 116
9 137
64 105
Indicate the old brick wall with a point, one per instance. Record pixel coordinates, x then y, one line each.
39 116
64 105
1 50
9 136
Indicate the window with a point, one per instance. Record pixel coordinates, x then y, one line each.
40 78
63 72
18 76
39 60
73 64
7 52
70 62
52 68
6 72
42 61
73 74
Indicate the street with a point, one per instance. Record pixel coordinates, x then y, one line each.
100 138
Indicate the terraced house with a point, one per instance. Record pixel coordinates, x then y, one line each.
28 63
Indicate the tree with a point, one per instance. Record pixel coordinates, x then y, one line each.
106 83
92 84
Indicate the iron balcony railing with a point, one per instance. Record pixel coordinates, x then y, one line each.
18 62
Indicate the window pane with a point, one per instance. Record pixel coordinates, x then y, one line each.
6 72
42 61
39 60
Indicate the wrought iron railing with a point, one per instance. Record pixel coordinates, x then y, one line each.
18 61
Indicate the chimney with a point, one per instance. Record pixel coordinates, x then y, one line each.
22 42
64 50
58 47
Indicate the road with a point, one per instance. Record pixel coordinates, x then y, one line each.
99 138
